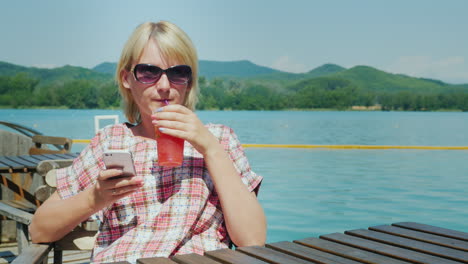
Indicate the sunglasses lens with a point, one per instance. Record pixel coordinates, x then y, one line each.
147 73
180 74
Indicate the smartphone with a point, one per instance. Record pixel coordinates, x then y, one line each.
120 159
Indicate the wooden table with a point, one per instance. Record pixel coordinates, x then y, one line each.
398 243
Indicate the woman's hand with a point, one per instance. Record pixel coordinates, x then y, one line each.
181 122
108 189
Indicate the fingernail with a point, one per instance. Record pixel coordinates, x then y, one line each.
159 110
161 129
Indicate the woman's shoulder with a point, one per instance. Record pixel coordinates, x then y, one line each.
218 128
117 129
225 134
120 132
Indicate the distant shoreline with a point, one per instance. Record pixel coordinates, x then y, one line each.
351 109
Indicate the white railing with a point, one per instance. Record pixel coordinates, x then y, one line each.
98 118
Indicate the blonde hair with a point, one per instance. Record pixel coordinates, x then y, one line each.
175 46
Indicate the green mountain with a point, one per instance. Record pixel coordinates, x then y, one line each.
47 76
364 77
212 69
371 79
106 67
325 70
239 85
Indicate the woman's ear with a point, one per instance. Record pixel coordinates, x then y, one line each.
124 75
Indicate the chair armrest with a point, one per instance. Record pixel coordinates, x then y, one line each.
15 214
34 254
77 239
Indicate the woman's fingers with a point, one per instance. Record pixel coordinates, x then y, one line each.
172 112
109 174
112 182
124 181
181 122
123 190
174 108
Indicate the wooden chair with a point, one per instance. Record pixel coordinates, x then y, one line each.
81 238
19 188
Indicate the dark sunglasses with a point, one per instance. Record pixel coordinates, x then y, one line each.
149 74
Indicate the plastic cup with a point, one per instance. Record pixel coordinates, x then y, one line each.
170 150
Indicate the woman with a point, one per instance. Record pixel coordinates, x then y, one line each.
205 204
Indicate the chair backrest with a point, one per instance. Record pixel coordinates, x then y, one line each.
62 144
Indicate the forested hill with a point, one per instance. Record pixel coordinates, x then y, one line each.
239 85
50 76
212 69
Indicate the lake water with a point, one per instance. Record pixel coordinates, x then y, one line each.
309 192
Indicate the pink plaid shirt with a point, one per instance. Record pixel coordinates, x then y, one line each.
177 211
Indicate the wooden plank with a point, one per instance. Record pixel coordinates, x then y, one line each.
40 157
157 260
16 179
63 156
25 163
232 257
33 254
22 236
13 165
51 156
309 253
15 214
193 259
4 167
29 158
421 236
434 230
22 205
415 245
68 155
57 156
347 251
387 250
270 255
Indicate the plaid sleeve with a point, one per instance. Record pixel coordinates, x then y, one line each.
236 152
83 172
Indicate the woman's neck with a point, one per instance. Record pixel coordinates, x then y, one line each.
144 129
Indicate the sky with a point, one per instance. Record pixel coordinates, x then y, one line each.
420 38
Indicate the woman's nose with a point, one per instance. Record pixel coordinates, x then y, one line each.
163 83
